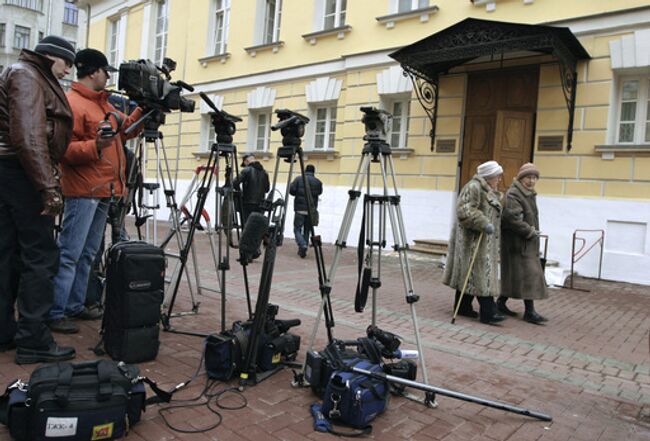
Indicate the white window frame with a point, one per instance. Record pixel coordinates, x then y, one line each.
329 132
388 103
339 14
162 12
28 35
259 133
414 6
208 134
272 23
642 116
219 34
113 43
3 34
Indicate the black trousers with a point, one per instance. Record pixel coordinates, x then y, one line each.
29 260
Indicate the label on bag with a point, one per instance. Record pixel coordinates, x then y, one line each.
60 427
105 431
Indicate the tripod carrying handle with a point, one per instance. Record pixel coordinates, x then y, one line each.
469 271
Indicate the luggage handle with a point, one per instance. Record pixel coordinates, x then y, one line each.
66 370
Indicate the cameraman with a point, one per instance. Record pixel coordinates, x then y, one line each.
35 129
301 219
93 173
256 184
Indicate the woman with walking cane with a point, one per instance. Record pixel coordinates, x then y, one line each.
522 276
473 258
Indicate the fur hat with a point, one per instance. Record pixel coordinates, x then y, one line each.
489 169
526 170
56 47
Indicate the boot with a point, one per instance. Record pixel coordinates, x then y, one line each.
50 354
466 309
503 309
531 316
488 312
63 326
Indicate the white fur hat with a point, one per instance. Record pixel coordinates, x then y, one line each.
489 169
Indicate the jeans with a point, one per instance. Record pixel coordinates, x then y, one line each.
84 220
301 230
29 259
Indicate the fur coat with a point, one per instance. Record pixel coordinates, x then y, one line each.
522 276
477 206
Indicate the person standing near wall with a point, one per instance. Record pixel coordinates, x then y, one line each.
522 275
301 221
478 211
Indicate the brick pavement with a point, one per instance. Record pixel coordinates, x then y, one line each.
588 367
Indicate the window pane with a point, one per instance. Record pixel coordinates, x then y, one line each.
330 7
628 111
394 140
329 22
630 90
647 132
626 133
423 4
404 5
320 140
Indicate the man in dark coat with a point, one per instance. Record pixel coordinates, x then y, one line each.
522 276
301 220
255 184
35 129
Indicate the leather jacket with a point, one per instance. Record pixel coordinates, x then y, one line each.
255 181
35 118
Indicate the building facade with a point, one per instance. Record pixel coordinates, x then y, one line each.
327 58
25 22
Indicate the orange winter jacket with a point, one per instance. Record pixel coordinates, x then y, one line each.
86 171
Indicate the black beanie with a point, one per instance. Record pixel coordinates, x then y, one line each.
57 47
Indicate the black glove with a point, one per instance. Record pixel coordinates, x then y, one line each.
52 202
489 229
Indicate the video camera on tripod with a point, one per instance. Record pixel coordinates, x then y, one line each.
377 122
151 87
291 125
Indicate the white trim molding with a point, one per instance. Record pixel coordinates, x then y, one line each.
392 81
261 97
323 89
631 51
216 99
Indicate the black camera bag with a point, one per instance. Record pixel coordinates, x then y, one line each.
225 352
135 280
96 400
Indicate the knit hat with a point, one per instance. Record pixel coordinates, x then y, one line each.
56 47
526 170
245 157
88 61
489 169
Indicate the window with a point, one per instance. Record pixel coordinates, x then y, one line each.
160 45
222 16
334 16
40 35
633 113
113 46
262 131
3 27
29 4
398 133
272 21
21 37
208 131
411 5
325 131
70 14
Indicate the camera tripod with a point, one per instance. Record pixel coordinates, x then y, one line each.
377 209
292 126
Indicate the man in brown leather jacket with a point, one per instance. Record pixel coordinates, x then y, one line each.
35 129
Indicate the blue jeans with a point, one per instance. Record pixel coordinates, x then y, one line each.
301 230
84 220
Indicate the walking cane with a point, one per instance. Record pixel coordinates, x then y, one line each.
469 271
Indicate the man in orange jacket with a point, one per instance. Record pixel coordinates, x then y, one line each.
93 173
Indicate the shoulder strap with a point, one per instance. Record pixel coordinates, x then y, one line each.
322 424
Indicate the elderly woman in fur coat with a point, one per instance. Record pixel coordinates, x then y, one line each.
522 276
478 210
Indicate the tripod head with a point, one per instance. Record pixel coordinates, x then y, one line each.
223 122
291 125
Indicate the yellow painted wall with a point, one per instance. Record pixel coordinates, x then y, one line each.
581 172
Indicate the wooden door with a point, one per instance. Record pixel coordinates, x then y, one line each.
513 142
499 117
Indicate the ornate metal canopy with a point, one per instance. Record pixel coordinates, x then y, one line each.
426 60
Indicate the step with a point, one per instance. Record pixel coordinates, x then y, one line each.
427 250
438 247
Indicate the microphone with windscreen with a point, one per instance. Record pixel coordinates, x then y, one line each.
257 226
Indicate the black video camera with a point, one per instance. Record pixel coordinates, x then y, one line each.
378 123
291 125
151 87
